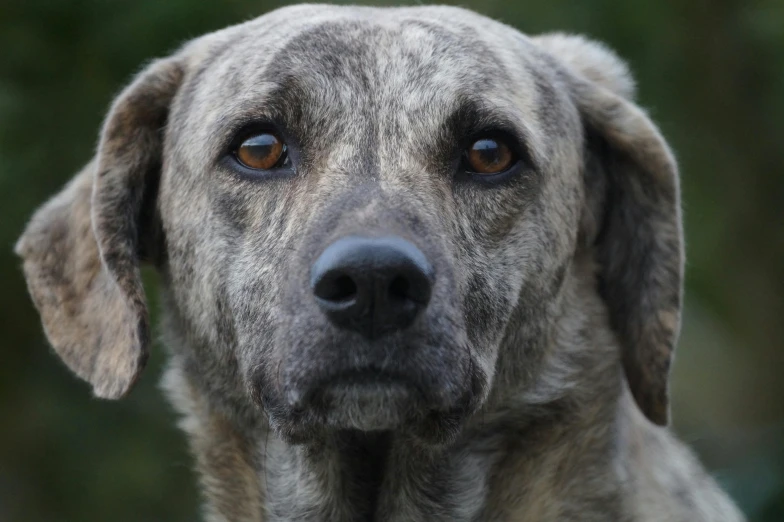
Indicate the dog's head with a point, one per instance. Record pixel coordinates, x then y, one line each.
349 207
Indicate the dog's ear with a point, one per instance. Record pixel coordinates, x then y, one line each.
81 250
631 218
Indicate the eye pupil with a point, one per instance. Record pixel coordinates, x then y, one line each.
488 151
261 152
489 156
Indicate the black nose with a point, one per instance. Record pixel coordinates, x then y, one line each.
374 286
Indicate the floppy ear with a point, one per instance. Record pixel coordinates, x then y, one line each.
632 216
81 249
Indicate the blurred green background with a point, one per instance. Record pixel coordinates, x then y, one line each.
710 72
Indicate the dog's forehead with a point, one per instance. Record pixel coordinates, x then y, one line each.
383 48
403 60
417 55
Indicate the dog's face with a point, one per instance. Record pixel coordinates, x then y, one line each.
351 209
366 278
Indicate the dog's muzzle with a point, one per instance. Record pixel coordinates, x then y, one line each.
370 338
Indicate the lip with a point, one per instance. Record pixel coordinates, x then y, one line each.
367 399
359 381
366 376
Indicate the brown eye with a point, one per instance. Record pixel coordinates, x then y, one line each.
262 152
489 156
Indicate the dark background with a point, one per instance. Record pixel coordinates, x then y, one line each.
711 73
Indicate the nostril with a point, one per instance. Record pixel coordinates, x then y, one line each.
338 288
411 284
343 289
400 288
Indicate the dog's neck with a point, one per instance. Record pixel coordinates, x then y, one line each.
576 400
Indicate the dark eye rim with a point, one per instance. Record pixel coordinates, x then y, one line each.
284 153
519 155
284 168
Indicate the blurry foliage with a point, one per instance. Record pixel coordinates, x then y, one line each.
710 72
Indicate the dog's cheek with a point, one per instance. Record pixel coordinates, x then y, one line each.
225 273
487 306
255 286
545 262
495 271
201 327
196 260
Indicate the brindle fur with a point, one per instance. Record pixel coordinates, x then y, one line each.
557 303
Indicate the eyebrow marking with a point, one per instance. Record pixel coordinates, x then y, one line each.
474 116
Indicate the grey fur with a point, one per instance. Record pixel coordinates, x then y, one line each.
550 287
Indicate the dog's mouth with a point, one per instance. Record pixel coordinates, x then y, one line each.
367 399
423 382
407 397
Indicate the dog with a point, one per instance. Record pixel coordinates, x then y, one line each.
415 265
